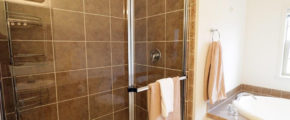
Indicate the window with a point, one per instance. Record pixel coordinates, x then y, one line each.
286 58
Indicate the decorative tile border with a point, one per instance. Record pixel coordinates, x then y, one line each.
254 90
265 91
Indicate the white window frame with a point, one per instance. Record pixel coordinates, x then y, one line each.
286 55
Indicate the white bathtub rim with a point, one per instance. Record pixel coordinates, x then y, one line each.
244 112
258 109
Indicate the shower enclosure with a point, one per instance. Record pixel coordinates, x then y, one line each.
75 60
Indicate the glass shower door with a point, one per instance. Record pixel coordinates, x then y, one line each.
159 45
65 60
68 60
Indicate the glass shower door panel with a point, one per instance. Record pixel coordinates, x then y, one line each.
158 45
68 60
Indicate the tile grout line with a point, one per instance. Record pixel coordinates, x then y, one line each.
84 12
147 46
86 54
160 13
55 102
110 113
6 78
154 41
37 107
54 59
10 113
90 41
4 101
71 99
67 71
165 37
141 108
159 67
2 93
111 54
64 41
102 116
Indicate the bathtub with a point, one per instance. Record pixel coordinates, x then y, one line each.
263 108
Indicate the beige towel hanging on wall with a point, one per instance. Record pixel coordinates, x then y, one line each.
214 74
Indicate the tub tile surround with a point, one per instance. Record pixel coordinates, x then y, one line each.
219 110
70 63
266 91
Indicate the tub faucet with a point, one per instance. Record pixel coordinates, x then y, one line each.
238 97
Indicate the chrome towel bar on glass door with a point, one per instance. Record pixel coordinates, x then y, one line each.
146 87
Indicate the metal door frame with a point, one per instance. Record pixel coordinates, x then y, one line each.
131 53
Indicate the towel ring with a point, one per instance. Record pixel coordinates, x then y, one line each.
213 33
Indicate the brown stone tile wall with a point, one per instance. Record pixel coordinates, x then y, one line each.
159 24
69 63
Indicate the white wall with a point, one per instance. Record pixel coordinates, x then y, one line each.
264 44
229 17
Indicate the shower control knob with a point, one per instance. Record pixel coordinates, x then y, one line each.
155 55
